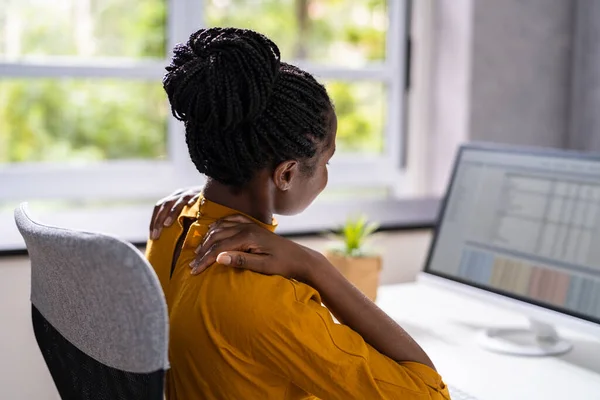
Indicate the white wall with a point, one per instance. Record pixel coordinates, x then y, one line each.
585 118
520 86
502 71
451 78
23 375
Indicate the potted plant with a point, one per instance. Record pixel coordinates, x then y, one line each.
351 257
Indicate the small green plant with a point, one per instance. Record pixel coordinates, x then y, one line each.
353 235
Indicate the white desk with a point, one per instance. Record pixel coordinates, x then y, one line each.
445 324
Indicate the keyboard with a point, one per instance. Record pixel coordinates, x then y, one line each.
457 394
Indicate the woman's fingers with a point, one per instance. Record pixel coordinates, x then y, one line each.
217 234
242 219
158 218
174 210
226 239
193 199
238 259
232 234
223 224
236 242
187 198
157 210
221 229
168 209
154 214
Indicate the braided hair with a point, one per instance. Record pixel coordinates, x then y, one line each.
243 109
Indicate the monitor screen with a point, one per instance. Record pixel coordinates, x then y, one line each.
525 225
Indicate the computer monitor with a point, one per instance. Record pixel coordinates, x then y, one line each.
521 228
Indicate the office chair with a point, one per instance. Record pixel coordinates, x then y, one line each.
98 311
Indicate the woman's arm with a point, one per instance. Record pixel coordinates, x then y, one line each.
355 310
238 242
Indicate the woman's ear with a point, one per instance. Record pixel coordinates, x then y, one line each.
285 173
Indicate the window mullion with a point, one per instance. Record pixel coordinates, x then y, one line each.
395 51
185 17
374 72
96 68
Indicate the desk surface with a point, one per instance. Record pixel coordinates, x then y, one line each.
445 325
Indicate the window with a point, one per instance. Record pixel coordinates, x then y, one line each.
81 99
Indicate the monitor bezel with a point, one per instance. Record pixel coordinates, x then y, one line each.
497 148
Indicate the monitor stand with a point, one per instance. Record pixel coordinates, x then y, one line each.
539 340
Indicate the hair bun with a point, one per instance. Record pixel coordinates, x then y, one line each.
221 78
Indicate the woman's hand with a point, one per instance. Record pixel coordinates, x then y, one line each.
239 242
167 209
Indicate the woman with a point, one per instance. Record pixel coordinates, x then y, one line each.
262 131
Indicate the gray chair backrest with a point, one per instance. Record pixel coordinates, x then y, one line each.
99 293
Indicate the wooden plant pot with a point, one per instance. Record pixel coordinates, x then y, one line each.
362 272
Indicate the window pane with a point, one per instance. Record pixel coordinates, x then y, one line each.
360 109
355 193
81 120
131 28
350 33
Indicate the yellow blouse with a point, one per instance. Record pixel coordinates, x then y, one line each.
236 334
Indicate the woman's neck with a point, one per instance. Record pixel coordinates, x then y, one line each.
253 200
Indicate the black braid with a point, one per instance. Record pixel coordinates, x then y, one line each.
243 109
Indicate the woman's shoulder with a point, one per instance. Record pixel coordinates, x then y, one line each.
253 297
245 284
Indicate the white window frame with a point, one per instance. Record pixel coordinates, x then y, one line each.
113 180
